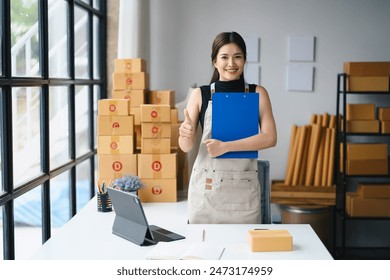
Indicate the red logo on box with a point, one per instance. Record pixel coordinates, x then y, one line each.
156 165
154 129
114 145
156 190
128 66
154 114
129 81
115 125
112 108
117 166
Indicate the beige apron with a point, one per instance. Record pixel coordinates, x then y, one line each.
223 191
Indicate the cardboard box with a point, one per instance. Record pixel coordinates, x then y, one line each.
130 81
174 115
366 167
162 97
156 145
360 111
367 68
384 114
270 240
115 145
116 166
136 112
368 84
348 197
138 137
385 127
373 190
155 113
369 207
136 97
113 107
115 125
156 130
156 166
129 65
358 151
183 172
158 190
363 126
175 135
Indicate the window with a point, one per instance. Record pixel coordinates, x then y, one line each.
59 126
26 128
25 38
58 39
28 223
52 73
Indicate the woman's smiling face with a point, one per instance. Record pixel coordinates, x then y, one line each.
229 62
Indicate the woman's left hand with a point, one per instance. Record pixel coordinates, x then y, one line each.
215 147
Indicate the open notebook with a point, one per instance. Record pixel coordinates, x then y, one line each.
186 251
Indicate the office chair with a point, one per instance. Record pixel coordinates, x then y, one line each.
265 200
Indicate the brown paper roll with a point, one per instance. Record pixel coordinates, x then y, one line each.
332 121
325 120
313 119
313 152
320 160
302 172
298 159
324 180
291 155
331 158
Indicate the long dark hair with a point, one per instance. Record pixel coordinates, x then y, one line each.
222 39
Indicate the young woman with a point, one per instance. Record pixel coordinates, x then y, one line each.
225 190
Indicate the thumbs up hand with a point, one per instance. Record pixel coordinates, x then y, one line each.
187 128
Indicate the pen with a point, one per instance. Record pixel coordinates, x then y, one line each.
203 234
220 256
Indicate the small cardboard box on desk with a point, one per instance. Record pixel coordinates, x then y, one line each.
265 240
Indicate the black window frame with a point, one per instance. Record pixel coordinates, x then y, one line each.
9 192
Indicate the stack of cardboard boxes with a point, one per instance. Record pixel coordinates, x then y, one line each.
365 159
361 118
151 142
157 166
370 200
116 156
367 76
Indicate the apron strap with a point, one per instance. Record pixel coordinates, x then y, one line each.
212 89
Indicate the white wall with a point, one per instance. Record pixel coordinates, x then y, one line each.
346 30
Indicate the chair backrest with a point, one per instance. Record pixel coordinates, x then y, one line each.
263 172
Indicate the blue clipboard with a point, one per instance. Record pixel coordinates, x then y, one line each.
235 115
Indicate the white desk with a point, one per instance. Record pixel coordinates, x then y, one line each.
88 235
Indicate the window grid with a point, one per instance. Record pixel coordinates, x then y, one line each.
96 88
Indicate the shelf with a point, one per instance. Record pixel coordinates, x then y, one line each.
364 92
364 176
345 216
362 253
343 222
364 134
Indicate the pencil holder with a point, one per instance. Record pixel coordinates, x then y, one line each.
103 202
